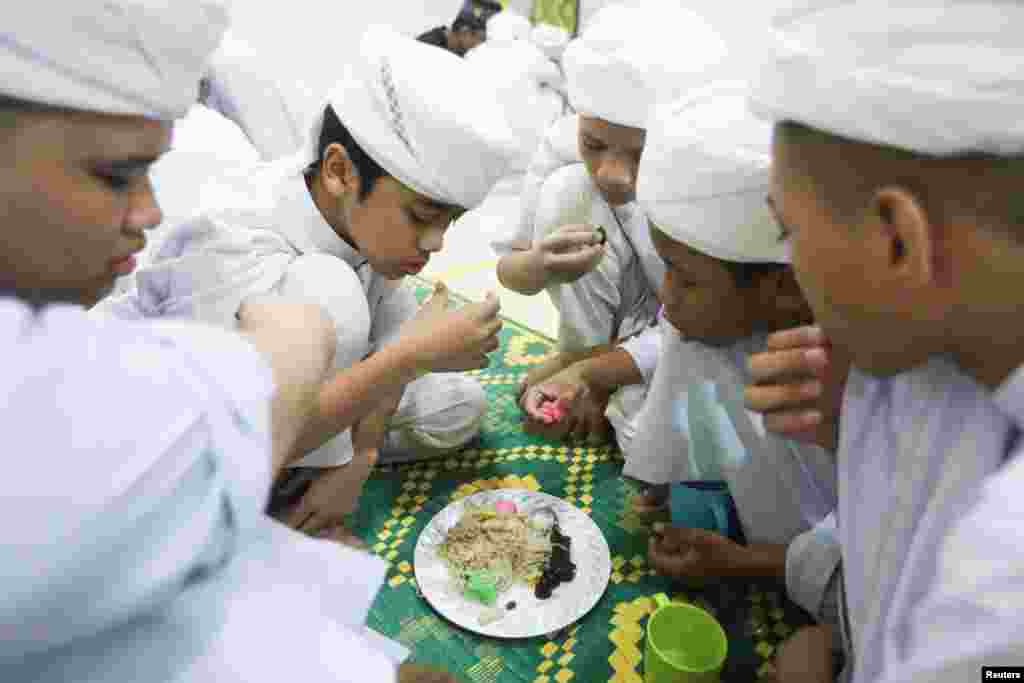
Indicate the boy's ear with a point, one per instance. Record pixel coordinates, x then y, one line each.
779 290
338 173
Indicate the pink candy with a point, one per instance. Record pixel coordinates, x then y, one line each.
552 412
505 507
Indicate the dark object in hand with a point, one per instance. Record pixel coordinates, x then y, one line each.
601 231
560 568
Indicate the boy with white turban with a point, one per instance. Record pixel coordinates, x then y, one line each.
396 155
145 551
605 293
909 251
727 284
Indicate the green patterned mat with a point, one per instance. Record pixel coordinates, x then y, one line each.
607 644
561 13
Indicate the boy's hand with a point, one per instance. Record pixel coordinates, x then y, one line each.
582 408
333 495
454 341
695 554
415 673
798 386
806 657
569 253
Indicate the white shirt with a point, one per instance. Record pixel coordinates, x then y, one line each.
269 236
142 545
912 449
972 615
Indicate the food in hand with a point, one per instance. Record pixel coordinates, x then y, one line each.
552 412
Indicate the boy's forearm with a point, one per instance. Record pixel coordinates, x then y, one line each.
610 370
764 560
352 394
522 271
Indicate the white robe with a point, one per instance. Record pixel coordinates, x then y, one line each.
694 427
270 237
204 145
144 551
913 448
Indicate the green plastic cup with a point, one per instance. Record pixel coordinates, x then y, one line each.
685 644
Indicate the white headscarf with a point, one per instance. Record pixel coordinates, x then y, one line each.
704 176
931 76
137 57
508 25
552 40
631 57
429 119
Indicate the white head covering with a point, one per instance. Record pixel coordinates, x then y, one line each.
508 25
552 40
704 176
631 57
936 77
135 57
429 119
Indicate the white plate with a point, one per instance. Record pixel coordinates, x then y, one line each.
531 617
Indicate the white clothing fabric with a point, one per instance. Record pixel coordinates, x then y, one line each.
269 236
619 298
507 25
812 561
972 615
704 176
912 449
695 427
158 556
274 113
111 56
552 40
204 145
524 80
427 117
836 66
558 148
628 59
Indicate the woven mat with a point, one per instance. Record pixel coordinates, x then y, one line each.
607 644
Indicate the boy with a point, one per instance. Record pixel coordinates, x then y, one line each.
157 557
604 293
468 31
341 225
909 252
727 284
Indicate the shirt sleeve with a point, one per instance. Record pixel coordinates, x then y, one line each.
393 311
126 438
557 149
812 563
644 349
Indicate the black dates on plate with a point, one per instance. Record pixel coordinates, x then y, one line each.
560 568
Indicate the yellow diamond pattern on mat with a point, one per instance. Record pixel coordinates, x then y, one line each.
565 659
542 679
516 352
397 580
626 677
549 649
529 482
627 637
564 676
545 666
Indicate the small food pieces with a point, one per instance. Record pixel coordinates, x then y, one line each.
552 412
505 507
560 567
601 231
482 586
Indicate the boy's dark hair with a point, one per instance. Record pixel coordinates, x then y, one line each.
468 21
335 132
747 274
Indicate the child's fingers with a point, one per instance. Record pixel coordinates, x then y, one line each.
774 397
796 425
810 335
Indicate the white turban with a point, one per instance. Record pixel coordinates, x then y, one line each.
934 77
137 57
704 175
629 58
429 119
552 40
508 25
